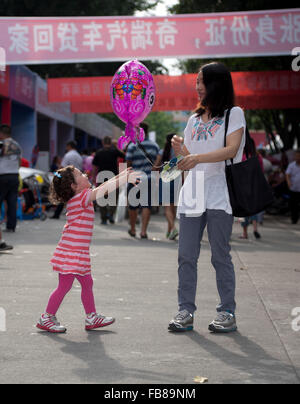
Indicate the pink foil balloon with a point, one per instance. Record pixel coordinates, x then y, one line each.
132 97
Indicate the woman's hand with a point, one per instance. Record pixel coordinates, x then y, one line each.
189 162
177 143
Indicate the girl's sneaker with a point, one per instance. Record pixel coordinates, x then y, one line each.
95 320
49 323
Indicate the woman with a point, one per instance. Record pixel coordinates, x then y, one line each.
168 189
204 151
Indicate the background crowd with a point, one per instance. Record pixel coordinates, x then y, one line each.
282 172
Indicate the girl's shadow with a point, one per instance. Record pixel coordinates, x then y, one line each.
101 368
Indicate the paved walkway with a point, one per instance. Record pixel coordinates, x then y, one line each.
136 282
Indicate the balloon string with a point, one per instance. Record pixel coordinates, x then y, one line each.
141 147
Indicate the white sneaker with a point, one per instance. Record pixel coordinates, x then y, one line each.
95 320
49 323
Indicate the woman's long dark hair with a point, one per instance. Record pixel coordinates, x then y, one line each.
219 90
168 147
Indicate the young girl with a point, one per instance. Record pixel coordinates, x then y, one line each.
71 258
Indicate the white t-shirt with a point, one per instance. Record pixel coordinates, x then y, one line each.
72 158
294 171
202 138
10 158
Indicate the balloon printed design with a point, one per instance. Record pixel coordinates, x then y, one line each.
132 97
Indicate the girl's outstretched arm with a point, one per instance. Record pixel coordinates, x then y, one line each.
126 176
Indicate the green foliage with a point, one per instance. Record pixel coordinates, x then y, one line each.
208 6
163 124
160 122
58 8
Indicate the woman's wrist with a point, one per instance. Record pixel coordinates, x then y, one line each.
198 158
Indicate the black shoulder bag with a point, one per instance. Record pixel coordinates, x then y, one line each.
248 188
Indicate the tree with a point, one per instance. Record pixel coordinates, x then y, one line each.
162 123
285 122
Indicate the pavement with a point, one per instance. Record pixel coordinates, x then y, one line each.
136 281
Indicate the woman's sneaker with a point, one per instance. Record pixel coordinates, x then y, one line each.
49 323
95 320
224 323
183 321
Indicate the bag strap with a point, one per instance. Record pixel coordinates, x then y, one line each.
250 149
226 129
147 155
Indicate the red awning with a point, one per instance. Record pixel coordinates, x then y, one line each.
254 90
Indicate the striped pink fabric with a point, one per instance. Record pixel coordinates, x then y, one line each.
72 255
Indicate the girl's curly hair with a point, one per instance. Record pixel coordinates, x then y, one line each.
60 188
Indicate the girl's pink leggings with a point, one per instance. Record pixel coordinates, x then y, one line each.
65 285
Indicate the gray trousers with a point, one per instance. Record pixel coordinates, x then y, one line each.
219 227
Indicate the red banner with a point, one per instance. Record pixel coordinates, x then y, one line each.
254 90
37 40
4 82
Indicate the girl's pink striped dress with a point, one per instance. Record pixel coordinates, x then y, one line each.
72 255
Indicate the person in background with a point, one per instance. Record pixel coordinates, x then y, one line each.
56 163
88 164
106 159
267 165
136 159
293 180
246 223
71 158
256 218
35 156
268 170
84 154
121 160
284 162
3 245
165 155
10 159
25 163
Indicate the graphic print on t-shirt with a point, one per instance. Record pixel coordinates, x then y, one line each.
202 131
